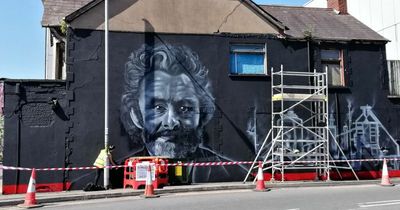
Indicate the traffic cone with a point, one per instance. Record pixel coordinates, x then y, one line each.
385 175
30 197
260 185
149 189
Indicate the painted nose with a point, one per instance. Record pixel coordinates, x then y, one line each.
171 121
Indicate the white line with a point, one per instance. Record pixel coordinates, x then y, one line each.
376 202
208 192
381 204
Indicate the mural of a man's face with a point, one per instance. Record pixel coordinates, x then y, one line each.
171 112
167 100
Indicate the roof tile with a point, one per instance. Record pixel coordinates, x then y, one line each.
56 10
323 24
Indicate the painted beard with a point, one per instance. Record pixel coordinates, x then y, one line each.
172 144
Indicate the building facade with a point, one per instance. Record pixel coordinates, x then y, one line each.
383 17
191 80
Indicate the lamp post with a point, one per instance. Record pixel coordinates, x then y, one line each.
106 169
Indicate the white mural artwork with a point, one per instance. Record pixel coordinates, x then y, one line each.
166 104
364 137
361 137
167 101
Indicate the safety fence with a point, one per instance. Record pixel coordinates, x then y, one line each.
194 164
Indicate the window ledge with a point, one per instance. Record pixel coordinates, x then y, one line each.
248 75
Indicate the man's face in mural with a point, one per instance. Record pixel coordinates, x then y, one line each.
171 112
167 100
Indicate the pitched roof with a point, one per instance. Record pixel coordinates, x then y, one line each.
253 5
56 10
324 24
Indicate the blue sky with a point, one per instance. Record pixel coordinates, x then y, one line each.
22 37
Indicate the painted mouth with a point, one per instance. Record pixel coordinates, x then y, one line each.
163 139
167 136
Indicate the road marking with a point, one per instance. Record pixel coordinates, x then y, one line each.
208 192
88 202
387 201
379 203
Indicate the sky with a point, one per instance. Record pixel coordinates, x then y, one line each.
22 38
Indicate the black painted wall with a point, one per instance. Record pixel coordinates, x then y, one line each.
240 101
36 118
237 98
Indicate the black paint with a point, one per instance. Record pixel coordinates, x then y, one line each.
77 134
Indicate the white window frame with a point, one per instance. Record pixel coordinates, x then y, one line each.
249 51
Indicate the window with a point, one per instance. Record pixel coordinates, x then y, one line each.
394 77
248 59
333 60
60 72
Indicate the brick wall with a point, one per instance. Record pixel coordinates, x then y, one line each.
339 5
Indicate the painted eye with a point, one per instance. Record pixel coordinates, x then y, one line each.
159 108
185 109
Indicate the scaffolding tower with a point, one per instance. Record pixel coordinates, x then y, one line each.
299 142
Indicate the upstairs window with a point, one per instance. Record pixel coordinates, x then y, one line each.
394 77
333 60
248 59
60 72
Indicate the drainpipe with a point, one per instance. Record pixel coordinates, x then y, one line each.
17 175
19 116
308 56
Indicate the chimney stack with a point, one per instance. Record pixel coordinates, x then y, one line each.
338 5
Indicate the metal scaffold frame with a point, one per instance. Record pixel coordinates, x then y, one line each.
285 124
299 143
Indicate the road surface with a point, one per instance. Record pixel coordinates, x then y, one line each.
366 197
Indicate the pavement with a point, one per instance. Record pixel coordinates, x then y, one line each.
79 195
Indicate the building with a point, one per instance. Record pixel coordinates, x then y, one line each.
382 17
54 13
188 79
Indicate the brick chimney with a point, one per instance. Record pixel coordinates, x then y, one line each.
338 5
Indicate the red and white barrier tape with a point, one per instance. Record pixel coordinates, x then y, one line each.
343 161
192 164
212 163
56 169
14 168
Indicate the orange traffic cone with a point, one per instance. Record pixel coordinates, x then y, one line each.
149 190
30 197
385 175
260 186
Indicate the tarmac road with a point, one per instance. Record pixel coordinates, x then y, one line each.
363 197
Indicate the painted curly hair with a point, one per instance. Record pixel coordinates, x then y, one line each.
173 60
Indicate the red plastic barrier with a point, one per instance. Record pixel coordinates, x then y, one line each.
136 169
